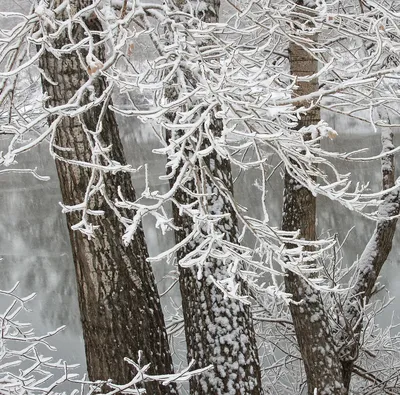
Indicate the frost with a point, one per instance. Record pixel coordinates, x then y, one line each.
321 129
224 104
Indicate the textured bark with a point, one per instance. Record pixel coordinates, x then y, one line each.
371 262
120 308
317 348
373 257
380 244
219 331
321 362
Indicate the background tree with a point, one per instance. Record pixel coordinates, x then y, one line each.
310 316
310 321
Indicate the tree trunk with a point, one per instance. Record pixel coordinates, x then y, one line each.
120 308
371 261
322 364
219 330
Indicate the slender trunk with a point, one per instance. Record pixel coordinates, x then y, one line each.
322 364
373 257
219 330
120 308
371 261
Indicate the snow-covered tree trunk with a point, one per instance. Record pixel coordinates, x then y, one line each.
120 308
219 330
321 362
380 244
371 261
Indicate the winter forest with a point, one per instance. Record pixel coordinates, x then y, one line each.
199 197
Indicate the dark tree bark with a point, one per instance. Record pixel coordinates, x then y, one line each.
321 361
120 308
219 330
317 348
330 360
371 262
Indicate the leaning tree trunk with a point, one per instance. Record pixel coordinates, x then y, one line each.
120 308
373 257
371 261
219 330
321 362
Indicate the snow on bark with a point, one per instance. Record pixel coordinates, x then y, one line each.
120 308
219 329
371 261
311 324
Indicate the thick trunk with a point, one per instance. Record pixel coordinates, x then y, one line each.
321 362
120 308
219 330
